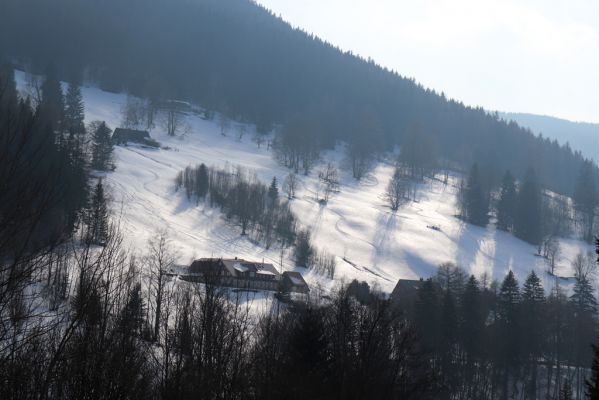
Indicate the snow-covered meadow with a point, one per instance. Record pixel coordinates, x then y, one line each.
356 224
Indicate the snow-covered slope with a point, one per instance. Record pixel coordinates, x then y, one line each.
356 224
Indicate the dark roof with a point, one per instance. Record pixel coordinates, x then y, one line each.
130 133
241 265
406 289
295 279
124 135
234 267
206 265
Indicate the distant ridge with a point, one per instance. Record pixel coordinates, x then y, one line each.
583 136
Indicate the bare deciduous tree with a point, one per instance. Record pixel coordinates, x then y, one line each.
290 185
138 113
584 265
224 123
328 180
324 263
173 120
33 89
160 260
132 113
551 251
396 190
241 132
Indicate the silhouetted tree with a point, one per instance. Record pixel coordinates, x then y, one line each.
476 200
585 197
74 113
102 147
97 217
528 224
506 207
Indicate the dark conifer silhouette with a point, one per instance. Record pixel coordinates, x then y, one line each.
506 207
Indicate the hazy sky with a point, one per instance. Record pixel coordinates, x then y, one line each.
540 57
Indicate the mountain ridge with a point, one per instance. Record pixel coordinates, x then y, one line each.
582 136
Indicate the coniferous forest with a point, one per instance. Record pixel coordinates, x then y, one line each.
83 316
237 58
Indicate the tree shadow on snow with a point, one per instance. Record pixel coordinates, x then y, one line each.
386 224
468 245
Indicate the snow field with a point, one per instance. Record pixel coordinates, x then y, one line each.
356 224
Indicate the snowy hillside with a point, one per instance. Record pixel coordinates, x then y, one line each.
356 224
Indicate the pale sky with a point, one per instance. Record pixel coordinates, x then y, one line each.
539 57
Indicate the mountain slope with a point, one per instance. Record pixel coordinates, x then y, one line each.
356 225
237 58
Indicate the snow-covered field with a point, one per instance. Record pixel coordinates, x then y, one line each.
356 224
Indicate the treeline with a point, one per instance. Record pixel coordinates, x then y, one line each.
239 59
509 340
526 209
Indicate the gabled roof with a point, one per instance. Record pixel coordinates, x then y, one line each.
237 265
295 278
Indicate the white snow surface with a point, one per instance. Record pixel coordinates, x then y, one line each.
356 224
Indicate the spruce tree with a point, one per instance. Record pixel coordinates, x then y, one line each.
528 224
202 182
449 327
583 299
509 299
585 196
97 219
508 346
506 207
566 392
132 316
102 148
304 252
52 106
477 203
428 314
532 320
74 183
584 325
74 113
593 384
273 190
471 321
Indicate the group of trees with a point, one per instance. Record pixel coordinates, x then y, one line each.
241 196
490 340
46 156
400 188
525 208
138 113
258 208
586 198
